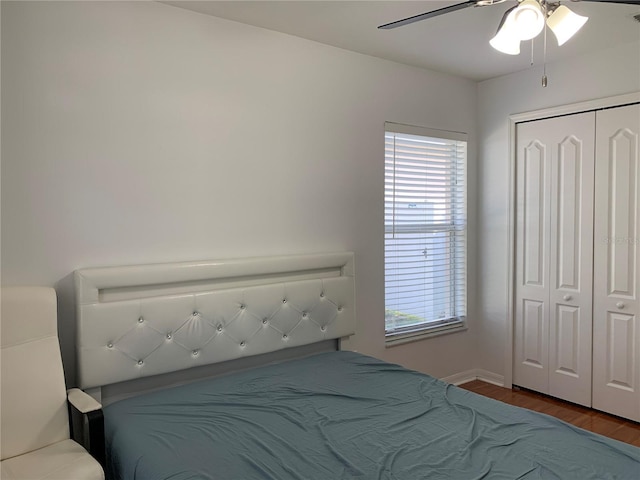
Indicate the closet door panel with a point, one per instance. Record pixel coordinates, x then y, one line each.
616 364
571 251
619 363
532 251
533 334
534 221
554 222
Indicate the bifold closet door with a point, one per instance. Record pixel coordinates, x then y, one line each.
554 249
616 349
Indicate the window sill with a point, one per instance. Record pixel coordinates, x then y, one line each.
393 340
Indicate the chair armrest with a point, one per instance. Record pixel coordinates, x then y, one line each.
82 401
87 423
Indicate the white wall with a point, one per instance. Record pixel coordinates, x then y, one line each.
137 132
597 75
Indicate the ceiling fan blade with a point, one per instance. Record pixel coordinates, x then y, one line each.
424 16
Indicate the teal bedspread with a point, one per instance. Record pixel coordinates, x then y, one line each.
342 415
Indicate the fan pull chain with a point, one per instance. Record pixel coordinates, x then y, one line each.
544 45
532 52
544 59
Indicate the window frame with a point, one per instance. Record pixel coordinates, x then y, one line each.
425 329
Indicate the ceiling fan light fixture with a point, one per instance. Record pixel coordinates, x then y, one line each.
528 19
565 24
506 40
522 22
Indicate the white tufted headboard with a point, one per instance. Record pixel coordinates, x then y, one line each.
137 321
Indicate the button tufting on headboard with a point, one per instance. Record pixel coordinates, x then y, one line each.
162 318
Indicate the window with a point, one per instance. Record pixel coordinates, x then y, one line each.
425 224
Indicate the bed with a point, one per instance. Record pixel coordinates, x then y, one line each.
333 414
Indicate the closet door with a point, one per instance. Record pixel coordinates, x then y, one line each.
616 360
533 206
555 177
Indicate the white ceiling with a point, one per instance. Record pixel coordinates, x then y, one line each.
455 43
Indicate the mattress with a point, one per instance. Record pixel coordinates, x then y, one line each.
343 415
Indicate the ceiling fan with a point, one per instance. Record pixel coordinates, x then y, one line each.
523 21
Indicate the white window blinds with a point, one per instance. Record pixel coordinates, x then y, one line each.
425 230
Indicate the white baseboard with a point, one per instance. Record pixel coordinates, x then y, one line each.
490 377
475 374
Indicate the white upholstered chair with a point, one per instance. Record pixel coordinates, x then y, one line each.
35 433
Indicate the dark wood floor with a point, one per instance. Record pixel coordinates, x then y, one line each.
598 422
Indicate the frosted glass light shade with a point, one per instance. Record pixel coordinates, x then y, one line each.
520 23
564 23
528 19
506 40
